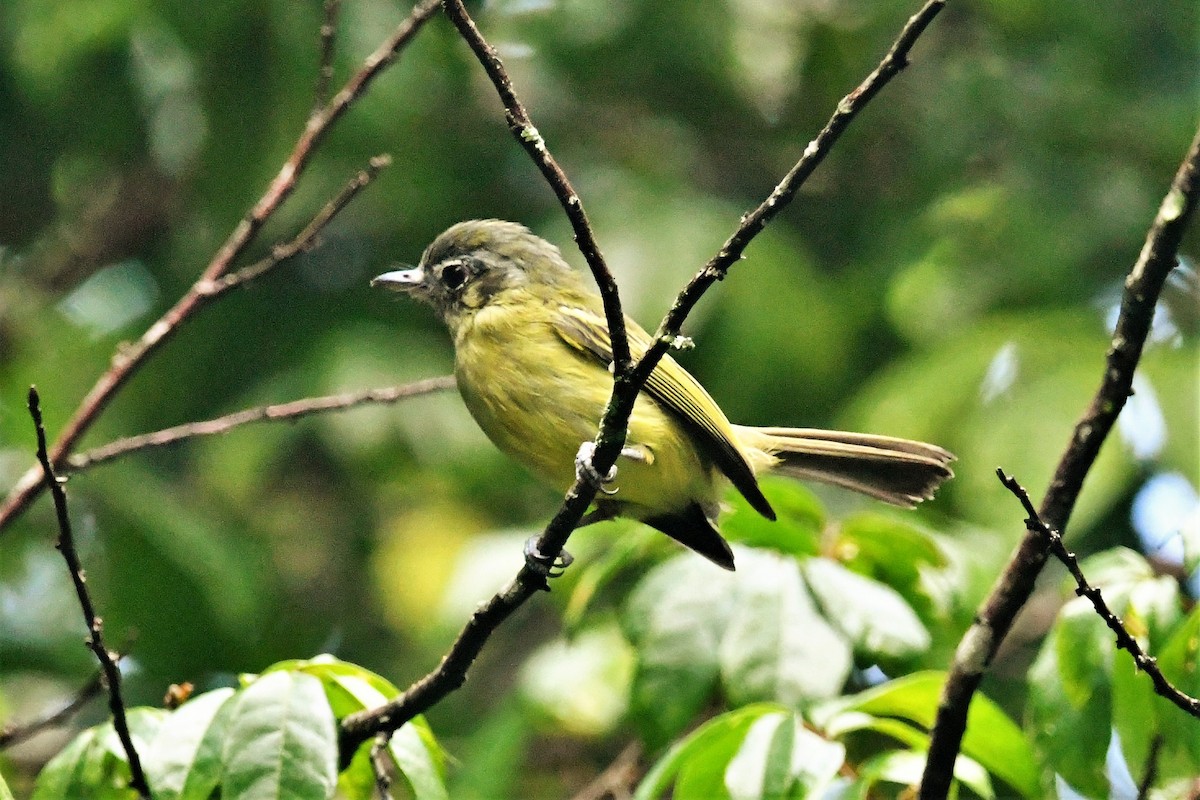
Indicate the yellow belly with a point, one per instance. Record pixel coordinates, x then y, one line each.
538 399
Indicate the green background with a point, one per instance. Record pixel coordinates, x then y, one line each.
946 274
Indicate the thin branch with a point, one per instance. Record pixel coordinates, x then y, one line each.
1125 640
981 641
753 223
273 413
1150 775
325 65
380 766
306 239
627 385
531 140
451 673
130 358
617 779
95 639
15 734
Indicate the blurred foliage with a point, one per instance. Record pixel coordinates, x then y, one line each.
950 273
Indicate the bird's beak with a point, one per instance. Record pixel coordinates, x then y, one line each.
400 280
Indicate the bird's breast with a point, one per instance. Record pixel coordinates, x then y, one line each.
537 399
532 395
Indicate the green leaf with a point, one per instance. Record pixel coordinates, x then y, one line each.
1084 649
580 684
1135 712
1179 661
873 616
1152 611
675 619
5 792
70 773
1082 686
1072 732
906 767
780 757
796 531
759 768
894 552
281 740
351 688
845 722
992 739
629 543
492 757
701 757
419 759
178 763
95 765
776 645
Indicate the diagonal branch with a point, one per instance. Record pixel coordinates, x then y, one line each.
752 223
1125 640
330 11
130 358
305 240
280 411
531 140
981 641
451 673
15 734
95 639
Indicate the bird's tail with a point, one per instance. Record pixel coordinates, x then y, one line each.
898 471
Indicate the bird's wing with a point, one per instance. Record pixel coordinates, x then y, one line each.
673 387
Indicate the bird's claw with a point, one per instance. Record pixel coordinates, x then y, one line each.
543 564
584 470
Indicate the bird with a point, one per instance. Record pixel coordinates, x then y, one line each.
533 363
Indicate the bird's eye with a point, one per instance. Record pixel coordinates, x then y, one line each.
454 275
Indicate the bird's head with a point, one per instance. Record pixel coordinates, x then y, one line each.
478 262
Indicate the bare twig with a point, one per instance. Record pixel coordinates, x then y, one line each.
130 358
306 239
452 671
380 766
95 639
529 138
617 779
1125 641
281 411
753 222
325 66
15 734
1016 583
1150 775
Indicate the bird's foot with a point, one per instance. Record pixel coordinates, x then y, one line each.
543 564
584 470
